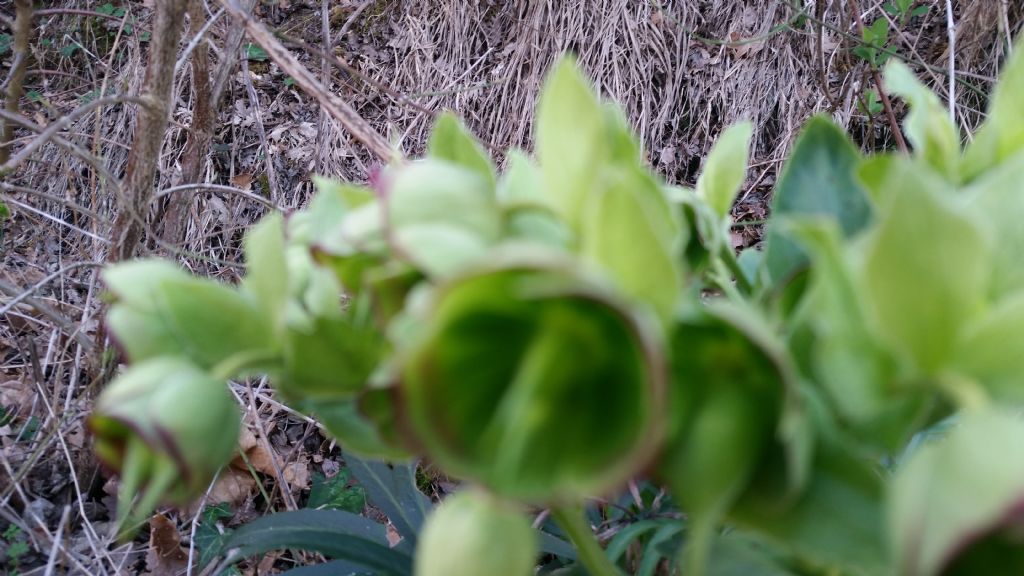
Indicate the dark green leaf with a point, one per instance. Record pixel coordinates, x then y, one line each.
391 488
208 538
333 533
332 568
335 493
819 180
452 141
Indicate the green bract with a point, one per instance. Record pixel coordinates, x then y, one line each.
507 382
166 427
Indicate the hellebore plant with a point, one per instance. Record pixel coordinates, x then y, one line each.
842 402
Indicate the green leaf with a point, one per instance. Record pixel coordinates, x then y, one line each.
956 500
330 360
725 168
522 182
925 269
442 216
819 180
211 322
571 143
356 432
996 197
992 350
1001 136
266 269
333 533
858 373
391 488
628 230
928 125
836 521
334 493
255 52
452 141
208 539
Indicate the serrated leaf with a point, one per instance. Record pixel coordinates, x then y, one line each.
725 168
925 270
452 141
819 180
928 125
571 143
333 533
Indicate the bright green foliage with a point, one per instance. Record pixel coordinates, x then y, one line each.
925 269
1002 135
929 128
550 332
955 502
725 168
470 523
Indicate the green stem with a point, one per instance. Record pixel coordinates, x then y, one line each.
965 392
571 520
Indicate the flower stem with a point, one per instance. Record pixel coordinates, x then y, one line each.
571 520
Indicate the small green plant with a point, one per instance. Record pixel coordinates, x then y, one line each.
556 331
17 547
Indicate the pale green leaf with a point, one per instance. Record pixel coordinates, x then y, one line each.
1002 134
998 199
992 350
266 270
452 141
629 231
954 493
928 125
571 143
925 272
725 168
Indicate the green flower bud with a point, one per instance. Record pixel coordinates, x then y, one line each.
166 427
534 382
472 534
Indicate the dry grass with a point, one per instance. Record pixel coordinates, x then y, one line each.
665 60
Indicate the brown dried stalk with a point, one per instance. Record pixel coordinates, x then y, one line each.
15 85
149 130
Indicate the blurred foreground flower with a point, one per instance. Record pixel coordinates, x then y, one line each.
534 381
165 427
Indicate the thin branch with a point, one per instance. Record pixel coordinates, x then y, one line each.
219 188
951 33
16 80
894 124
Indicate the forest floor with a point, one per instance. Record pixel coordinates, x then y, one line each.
682 69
